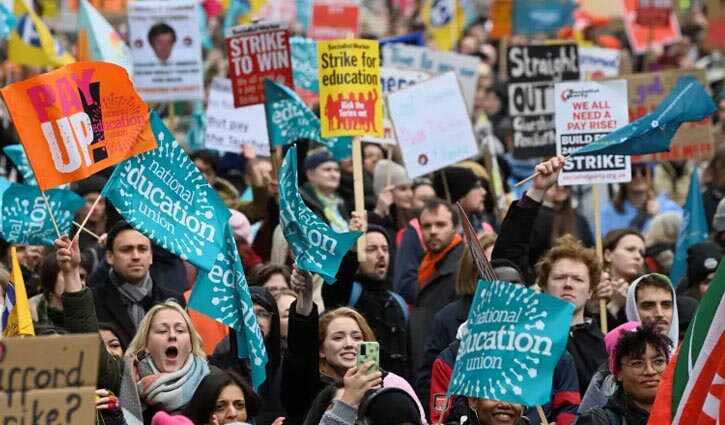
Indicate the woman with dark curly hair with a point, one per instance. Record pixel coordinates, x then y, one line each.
222 397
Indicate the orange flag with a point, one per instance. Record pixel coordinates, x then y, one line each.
78 120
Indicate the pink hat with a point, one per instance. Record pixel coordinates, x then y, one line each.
240 225
612 338
163 418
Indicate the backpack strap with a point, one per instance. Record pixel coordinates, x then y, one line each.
403 305
355 294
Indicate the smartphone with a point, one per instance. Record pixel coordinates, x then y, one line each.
369 351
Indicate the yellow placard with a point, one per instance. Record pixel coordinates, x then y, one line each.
351 102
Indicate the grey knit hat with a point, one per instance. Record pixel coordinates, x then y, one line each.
397 173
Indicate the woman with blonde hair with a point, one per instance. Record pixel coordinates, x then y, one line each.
164 362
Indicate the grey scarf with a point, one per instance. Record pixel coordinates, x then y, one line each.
132 295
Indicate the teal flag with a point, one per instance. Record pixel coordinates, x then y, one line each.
653 133
8 22
289 119
25 219
222 294
163 195
16 153
694 228
195 135
543 16
514 339
305 72
104 42
206 41
316 247
237 9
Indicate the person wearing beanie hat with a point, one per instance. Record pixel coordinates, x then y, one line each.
394 191
702 261
163 418
320 191
464 186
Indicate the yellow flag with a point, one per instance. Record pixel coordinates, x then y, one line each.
445 21
20 323
31 43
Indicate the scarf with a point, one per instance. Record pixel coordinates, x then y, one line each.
168 391
332 213
431 259
133 295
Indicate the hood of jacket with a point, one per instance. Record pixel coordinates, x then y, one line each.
633 312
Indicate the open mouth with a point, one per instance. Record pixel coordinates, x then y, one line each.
171 353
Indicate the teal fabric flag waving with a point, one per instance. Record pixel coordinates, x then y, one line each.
653 133
104 42
222 294
24 217
305 72
289 119
514 339
694 228
8 22
163 195
317 248
16 153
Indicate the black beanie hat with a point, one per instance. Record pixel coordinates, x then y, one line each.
389 406
702 259
460 182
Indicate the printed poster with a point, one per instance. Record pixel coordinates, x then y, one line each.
257 52
166 49
585 112
351 103
657 32
532 71
78 120
431 124
333 19
229 128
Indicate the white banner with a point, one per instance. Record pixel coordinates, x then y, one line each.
596 63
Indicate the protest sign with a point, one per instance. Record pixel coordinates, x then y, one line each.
166 49
164 196
16 153
25 219
49 379
304 69
78 120
277 11
596 63
432 125
532 71
543 16
435 62
414 38
288 120
514 339
316 247
257 52
656 33
222 293
445 21
333 19
585 112
694 140
104 43
716 23
229 128
351 103
501 15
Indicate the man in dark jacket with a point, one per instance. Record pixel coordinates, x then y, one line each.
128 291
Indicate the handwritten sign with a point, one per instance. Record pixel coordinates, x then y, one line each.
432 125
514 340
229 128
533 70
585 112
34 389
256 52
435 62
334 19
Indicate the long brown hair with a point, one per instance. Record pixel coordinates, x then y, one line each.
714 174
326 319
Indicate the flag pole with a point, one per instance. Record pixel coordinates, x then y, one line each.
88 215
98 238
359 191
52 217
533 176
542 416
598 237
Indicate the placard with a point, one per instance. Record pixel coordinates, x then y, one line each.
49 379
501 14
431 124
229 128
305 72
585 112
351 103
166 50
532 71
256 52
435 62
650 36
596 63
334 19
543 16
694 140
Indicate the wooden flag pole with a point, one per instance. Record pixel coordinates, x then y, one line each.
95 236
598 237
533 176
88 215
388 167
50 212
542 416
359 190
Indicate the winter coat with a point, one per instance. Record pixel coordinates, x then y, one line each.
314 203
514 239
586 346
618 411
407 260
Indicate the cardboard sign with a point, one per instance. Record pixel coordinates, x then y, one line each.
514 340
166 49
334 19
351 103
532 71
501 15
432 125
257 52
229 128
694 140
436 62
78 120
643 37
585 112
596 63
49 379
